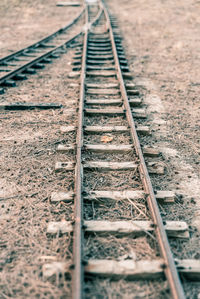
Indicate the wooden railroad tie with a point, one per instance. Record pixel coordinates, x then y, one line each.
127 269
29 106
176 229
144 130
163 196
153 167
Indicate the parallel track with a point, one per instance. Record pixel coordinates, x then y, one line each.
20 63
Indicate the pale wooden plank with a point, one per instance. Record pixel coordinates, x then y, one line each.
78 55
143 130
139 113
101 73
55 268
165 196
59 227
109 166
115 195
99 68
151 152
116 111
64 149
74 85
177 229
130 269
130 86
104 102
99 62
99 39
64 166
102 85
67 129
135 102
144 269
74 75
106 129
45 258
62 196
108 148
103 91
190 268
102 57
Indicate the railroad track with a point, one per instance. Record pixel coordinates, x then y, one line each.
114 202
113 194
19 64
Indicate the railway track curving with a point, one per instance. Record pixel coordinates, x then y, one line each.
18 65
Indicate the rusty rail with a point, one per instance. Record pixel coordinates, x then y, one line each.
169 266
78 273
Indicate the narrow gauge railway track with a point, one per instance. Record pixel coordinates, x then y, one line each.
111 174
17 65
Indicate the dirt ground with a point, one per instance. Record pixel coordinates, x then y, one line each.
28 155
162 43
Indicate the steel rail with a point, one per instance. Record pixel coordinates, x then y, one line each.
78 208
22 68
78 273
46 39
169 266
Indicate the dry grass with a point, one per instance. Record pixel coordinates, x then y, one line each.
128 156
28 156
105 288
116 210
113 180
105 121
112 247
